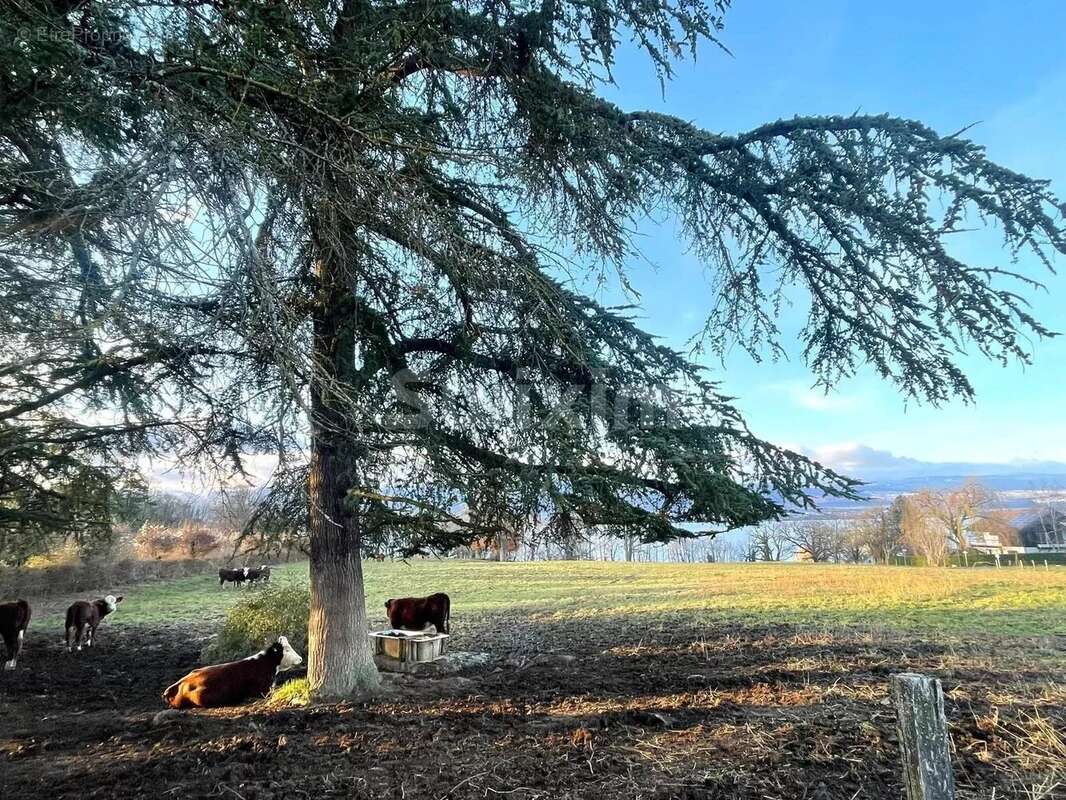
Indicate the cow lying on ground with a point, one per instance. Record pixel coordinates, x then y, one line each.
415 613
14 619
83 617
233 682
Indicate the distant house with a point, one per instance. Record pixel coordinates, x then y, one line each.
1041 529
986 541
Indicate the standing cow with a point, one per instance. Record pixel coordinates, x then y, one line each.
83 617
237 576
257 574
414 613
14 619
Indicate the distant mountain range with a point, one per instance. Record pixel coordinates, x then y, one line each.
887 475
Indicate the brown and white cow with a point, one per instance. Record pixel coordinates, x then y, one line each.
233 682
415 613
83 618
14 619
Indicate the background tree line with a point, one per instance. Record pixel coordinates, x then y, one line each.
930 524
156 524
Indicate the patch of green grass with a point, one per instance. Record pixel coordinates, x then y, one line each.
177 600
293 693
963 601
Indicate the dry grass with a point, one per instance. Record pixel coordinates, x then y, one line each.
55 577
820 598
1032 749
701 682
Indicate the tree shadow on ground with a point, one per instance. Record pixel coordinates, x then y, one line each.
567 708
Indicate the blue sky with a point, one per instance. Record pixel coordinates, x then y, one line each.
948 64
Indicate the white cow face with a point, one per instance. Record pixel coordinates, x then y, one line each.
289 657
112 602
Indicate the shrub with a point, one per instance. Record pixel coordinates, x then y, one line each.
66 555
52 578
155 540
196 540
257 620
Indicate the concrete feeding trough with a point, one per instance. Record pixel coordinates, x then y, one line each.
400 650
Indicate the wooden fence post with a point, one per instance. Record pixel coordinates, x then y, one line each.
923 737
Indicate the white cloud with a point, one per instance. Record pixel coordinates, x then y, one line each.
869 463
860 459
167 475
816 399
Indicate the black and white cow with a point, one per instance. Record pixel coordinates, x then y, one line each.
236 575
260 574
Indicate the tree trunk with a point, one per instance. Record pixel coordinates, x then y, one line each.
339 660
960 536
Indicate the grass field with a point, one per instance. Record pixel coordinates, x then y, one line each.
1008 601
603 680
